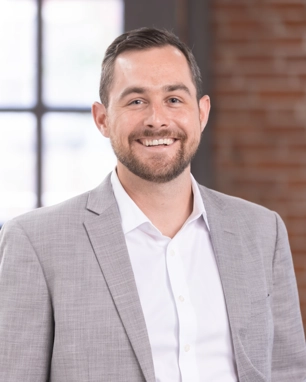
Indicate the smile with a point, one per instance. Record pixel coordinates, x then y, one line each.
157 142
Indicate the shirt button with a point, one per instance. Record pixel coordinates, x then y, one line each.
181 298
187 348
172 252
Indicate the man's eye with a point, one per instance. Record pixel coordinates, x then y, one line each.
136 102
174 100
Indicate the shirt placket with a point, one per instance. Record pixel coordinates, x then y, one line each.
187 321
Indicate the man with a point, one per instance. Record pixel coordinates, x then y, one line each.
149 277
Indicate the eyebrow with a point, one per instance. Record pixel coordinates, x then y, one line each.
174 87
167 88
132 89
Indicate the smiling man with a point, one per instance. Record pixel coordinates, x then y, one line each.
150 276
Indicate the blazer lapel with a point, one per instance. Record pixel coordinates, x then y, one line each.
226 240
106 236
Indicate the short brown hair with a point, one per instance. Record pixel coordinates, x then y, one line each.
144 38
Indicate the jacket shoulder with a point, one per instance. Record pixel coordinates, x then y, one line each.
73 206
240 209
67 215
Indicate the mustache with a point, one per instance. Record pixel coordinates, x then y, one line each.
158 134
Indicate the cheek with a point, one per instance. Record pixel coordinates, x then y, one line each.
126 122
187 118
191 125
119 135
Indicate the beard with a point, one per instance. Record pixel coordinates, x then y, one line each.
160 169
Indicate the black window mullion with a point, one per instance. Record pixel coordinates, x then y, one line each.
41 108
39 103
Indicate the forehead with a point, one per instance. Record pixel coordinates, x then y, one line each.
153 66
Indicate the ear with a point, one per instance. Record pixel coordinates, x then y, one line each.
98 111
204 107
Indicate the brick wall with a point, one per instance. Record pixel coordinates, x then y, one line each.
259 102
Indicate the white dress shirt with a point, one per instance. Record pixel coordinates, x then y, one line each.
180 293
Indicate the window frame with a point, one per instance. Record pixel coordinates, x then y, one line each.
39 109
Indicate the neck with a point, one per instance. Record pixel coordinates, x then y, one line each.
167 205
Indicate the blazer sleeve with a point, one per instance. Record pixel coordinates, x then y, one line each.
289 353
26 324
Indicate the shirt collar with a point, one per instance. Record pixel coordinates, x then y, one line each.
132 216
198 204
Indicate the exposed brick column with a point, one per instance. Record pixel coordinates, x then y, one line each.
259 103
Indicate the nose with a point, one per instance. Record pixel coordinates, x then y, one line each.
157 116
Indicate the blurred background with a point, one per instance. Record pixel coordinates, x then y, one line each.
252 55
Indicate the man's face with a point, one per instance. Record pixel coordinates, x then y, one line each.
153 118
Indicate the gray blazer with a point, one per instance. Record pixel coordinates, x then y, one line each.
70 312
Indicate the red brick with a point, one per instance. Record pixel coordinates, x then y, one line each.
259 98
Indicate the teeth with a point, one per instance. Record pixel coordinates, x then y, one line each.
156 142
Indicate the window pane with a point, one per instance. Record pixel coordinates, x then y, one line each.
76 36
76 156
17 46
17 170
